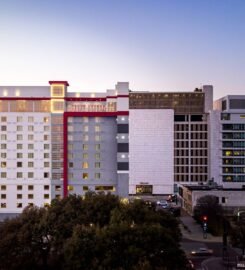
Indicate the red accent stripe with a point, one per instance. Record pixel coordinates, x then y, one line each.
119 96
24 98
85 99
59 82
65 137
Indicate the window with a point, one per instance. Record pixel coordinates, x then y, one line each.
70 188
85 188
3 146
19 128
19 119
3 155
97 175
46 137
3 164
46 196
30 155
97 119
19 155
46 155
30 128
85 128
3 196
57 188
19 187
19 137
19 196
70 164
19 146
19 175
46 175
19 164
85 137
46 187
30 164
3 137
97 138
3 119
45 119
85 147
85 165
46 164
30 187
30 174
97 147
46 128
3 175
3 128
85 175
19 205
46 146
3 187
30 119
97 156
30 196
3 205
97 165
30 137
85 119
30 146
97 128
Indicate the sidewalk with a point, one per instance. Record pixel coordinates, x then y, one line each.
192 230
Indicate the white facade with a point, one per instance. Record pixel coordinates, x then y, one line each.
151 150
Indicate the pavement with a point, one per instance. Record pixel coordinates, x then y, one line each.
192 230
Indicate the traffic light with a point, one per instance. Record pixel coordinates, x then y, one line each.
205 223
204 218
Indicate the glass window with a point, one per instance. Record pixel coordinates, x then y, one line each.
85 155
46 175
97 155
97 128
30 196
19 164
30 187
3 187
85 146
97 175
45 119
30 155
46 196
3 175
30 146
3 119
46 155
3 164
85 128
85 165
19 155
19 205
3 155
46 164
46 128
19 137
46 146
19 187
3 196
30 164
19 196
30 174
30 137
3 137
97 147
19 128
19 118
30 128
46 187
30 119
85 175
85 137
19 175
3 146
3 128
97 164
97 138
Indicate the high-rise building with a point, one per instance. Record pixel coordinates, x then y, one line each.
54 142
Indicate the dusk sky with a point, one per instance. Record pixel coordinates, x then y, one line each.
156 45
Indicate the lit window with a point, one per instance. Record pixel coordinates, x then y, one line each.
85 165
85 155
19 119
3 175
3 164
19 175
97 128
57 188
85 137
19 128
45 119
97 175
85 175
30 196
85 128
97 147
97 138
97 164
19 164
85 188
85 146
19 196
30 119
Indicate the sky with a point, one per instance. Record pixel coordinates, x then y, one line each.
156 45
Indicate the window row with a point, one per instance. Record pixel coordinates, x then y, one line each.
21 155
85 137
234 161
20 175
84 155
233 135
84 147
19 137
20 196
29 146
20 187
84 165
232 144
19 164
233 152
30 119
86 176
84 128
29 128
96 188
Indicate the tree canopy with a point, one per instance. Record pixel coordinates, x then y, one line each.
97 231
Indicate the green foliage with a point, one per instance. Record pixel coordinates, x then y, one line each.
94 232
237 236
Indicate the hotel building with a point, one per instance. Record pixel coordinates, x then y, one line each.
54 142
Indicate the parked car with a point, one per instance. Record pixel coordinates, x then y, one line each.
163 203
202 252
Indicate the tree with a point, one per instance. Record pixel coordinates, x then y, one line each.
93 232
208 206
237 237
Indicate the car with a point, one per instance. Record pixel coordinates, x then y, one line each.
202 251
162 203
